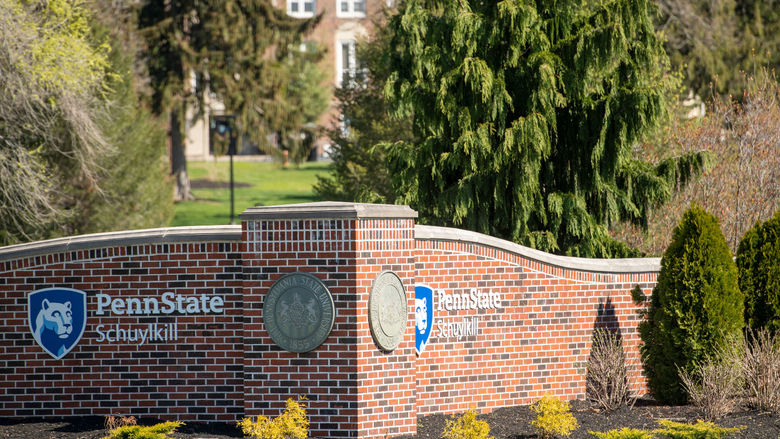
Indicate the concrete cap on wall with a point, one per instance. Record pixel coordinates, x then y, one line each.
615 266
329 209
114 239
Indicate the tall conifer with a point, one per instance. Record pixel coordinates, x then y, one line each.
527 114
226 47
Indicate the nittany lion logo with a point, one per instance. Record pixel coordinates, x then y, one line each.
423 316
57 318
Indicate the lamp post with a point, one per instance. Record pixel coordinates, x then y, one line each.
223 136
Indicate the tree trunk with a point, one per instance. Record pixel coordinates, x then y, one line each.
178 159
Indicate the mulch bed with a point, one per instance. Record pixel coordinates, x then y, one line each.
506 423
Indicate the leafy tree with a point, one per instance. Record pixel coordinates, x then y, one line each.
526 115
695 306
135 189
711 41
224 46
52 79
359 171
303 98
758 262
740 185
703 42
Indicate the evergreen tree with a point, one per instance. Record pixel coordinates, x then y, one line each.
758 261
359 170
526 115
225 48
696 305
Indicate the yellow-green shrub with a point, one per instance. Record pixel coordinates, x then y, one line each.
624 433
158 431
467 426
553 417
700 430
291 424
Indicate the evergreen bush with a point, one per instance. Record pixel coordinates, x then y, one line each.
624 433
758 263
699 430
553 417
158 431
291 424
467 426
695 307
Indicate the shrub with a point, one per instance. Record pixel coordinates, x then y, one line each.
695 305
624 433
158 431
553 418
607 381
759 274
761 370
111 422
467 426
700 430
713 385
291 424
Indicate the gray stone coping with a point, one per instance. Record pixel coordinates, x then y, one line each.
112 239
615 266
329 210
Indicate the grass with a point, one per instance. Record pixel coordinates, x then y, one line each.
256 184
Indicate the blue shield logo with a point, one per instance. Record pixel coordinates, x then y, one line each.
423 316
58 317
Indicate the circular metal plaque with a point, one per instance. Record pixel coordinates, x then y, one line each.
298 312
387 310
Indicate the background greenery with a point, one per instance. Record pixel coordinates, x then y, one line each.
257 184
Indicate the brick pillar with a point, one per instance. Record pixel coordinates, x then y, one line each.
354 388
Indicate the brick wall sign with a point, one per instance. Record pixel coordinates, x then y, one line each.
374 319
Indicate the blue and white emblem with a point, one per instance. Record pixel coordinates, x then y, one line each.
423 316
57 318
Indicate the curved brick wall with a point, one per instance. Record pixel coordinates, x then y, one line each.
533 339
540 340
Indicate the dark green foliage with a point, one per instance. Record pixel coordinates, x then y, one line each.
711 41
359 171
525 116
234 50
696 304
758 262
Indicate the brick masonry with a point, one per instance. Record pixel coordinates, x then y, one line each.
224 366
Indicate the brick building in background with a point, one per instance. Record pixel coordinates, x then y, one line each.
343 24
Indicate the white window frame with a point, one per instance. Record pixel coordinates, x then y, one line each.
351 11
301 12
351 61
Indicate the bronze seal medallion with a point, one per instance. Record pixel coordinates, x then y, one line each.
388 311
298 312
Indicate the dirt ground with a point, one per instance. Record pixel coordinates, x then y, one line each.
506 423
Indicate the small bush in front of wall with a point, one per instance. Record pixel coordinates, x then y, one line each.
553 418
111 422
158 431
291 424
607 378
695 306
761 370
624 433
759 274
699 430
714 385
467 426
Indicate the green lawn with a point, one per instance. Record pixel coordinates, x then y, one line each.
257 184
